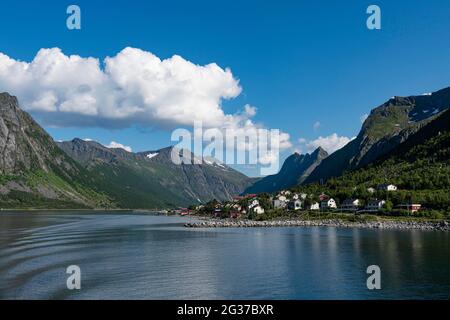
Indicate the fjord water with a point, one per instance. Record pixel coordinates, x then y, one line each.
140 256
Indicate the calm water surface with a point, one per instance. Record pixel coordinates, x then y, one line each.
138 256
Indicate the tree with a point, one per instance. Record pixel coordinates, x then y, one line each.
388 206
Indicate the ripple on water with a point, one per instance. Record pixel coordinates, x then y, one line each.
140 256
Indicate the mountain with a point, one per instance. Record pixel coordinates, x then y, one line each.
151 180
34 172
296 168
419 167
386 127
431 142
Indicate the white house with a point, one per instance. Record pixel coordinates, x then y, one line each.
258 209
328 204
255 207
279 204
387 187
371 190
351 204
254 203
375 205
294 205
314 206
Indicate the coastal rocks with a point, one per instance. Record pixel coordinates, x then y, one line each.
401 225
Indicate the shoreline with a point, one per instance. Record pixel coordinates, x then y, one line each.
208 222
442 225
81 210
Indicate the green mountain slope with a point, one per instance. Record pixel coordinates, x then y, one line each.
34 172
151 180
419 166
296 168
386 127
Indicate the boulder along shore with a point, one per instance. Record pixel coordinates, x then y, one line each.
416 225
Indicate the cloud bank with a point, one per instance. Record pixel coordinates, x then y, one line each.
116 145
134 87
330 143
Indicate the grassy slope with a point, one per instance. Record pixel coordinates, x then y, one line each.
72 186
419 167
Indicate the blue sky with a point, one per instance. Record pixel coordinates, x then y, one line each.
298 62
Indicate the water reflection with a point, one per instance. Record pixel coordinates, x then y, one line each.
139 256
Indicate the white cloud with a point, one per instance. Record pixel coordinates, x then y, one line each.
330 143
268 158
363 117
114 145
316 125
134 87
250 110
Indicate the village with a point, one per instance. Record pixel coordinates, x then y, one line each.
264 206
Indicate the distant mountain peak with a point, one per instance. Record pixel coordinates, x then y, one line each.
4 96
295 169
151 177
8 104
320 152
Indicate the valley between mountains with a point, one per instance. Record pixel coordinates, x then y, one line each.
37 172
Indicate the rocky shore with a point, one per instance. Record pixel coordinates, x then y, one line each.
402 225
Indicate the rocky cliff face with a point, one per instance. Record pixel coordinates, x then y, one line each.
151 179
37 172
33 169
386 127
22 141
294 171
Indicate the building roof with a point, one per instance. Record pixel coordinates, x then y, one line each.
374 201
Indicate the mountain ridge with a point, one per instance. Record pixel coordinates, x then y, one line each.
153 175
34 170
419 167
295 169
37 172
387 126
